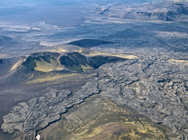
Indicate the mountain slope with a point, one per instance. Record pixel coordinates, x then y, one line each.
47 66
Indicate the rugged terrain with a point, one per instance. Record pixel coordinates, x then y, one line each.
151 85
165 11
126 62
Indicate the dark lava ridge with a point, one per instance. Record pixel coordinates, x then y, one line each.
88 43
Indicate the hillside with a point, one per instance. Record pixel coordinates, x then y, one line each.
52 65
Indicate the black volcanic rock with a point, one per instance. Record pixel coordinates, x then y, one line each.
37 113
88 43
152 86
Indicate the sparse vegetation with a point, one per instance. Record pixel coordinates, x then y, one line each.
106 121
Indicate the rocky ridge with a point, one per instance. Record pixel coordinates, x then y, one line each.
165 11
37 113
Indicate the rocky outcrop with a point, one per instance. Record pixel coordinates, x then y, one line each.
37 113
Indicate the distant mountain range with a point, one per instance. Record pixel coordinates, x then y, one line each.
166 11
